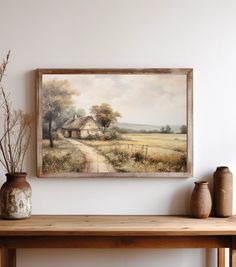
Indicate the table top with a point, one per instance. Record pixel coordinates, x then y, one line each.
109 225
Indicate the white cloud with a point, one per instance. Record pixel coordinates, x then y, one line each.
149 99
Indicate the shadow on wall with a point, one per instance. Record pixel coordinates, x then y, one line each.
30 96
210 257
179 202
183 196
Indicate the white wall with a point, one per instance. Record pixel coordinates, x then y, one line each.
126 33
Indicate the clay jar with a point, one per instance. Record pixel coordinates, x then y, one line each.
222 188
16 197
201 202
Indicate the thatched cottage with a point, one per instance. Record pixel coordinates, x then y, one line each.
80 127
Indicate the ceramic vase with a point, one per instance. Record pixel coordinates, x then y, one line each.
201 202
222 188
15 195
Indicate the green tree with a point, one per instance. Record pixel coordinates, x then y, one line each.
166 129
162 130
57 97
183 129
104 115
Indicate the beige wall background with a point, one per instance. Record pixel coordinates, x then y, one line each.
117 34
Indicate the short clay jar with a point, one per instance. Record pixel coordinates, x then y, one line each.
223 195
201 202
16 197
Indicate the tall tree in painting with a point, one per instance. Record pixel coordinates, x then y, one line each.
166 130
57 96
104 115
183 129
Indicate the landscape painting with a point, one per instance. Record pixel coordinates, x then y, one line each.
114 123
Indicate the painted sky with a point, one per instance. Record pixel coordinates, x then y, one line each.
155 99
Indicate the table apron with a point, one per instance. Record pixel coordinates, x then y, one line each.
116 241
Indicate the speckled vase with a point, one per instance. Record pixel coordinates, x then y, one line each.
15 195
201 202
223 194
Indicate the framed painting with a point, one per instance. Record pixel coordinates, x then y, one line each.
114 122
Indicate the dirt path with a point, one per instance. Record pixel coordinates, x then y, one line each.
95 162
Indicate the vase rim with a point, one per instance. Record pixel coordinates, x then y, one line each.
16 174
222 167
201 183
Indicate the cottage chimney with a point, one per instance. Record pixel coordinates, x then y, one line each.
75 116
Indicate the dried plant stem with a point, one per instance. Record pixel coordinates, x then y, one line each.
5 158
15 138
4 66
25 149
8 120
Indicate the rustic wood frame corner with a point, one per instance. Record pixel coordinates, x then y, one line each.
189 121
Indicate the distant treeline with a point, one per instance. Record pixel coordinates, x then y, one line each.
164 130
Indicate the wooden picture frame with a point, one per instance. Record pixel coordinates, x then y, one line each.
154 138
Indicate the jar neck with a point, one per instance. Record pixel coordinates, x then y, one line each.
222 168
16 177
201 184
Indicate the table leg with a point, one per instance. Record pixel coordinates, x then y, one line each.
221 257
8 257
232 259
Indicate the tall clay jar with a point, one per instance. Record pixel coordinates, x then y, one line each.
223 195
201 202
15 197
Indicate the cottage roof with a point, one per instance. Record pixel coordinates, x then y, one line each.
77 122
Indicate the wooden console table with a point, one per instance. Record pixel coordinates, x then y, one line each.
117 232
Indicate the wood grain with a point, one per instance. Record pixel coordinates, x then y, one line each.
232 256
101 242
60 231
221 257
60 225
117 71
8 257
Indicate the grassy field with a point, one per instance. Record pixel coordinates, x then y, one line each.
145 152
63 157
